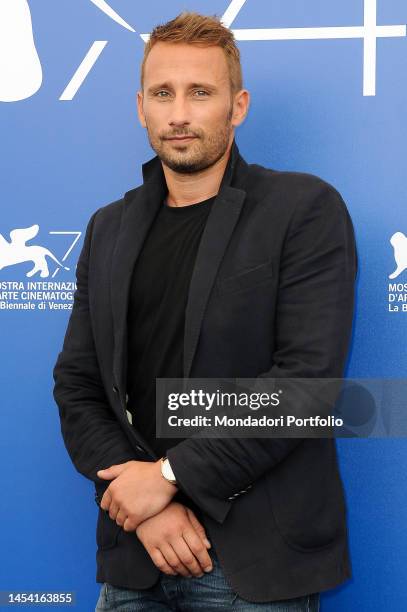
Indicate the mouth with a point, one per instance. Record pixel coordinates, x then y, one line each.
181 138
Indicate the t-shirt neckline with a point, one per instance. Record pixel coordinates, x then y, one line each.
188 208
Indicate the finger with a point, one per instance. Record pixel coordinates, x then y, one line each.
106 500
113 471
107 473
199 528
159 561
121 517
113 510
198 549
173 559
186 556
131 524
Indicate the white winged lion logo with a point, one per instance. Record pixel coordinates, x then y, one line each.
17 251
399 244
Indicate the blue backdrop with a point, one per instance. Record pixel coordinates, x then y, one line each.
328 99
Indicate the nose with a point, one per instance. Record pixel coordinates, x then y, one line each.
179 115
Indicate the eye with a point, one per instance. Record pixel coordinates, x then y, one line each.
162 91
201 91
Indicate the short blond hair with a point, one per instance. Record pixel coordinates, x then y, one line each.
195 29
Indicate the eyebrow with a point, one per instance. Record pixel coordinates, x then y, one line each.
190 86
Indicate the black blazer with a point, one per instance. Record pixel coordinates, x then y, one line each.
271 295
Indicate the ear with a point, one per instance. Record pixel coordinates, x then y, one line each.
240 106
140 110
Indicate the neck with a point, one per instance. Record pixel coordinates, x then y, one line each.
185 189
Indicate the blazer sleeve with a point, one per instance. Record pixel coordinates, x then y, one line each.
91 433
313 324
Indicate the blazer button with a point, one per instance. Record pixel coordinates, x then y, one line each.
232 497
115 389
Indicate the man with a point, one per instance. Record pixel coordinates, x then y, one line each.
211 268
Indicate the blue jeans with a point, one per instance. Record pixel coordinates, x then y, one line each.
208 593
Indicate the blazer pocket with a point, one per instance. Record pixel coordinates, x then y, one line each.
246 279
308 532
107 531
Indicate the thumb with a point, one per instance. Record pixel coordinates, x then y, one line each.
111 472
199 528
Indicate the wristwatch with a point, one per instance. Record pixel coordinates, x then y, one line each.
166 471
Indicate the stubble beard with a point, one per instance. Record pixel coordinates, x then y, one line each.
200 154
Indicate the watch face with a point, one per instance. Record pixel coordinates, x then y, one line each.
167 471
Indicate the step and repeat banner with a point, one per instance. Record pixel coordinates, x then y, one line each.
329 97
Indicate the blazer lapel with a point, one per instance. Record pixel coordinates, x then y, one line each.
218 229
140 207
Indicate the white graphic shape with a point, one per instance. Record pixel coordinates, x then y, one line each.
83 70
232 12
93 53
20 66
16 251
66 254
369 33
399 244
103 6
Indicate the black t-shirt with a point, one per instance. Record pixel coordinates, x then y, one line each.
156 316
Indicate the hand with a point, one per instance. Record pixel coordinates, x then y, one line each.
176 541
137 492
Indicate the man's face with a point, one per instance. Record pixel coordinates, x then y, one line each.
187 105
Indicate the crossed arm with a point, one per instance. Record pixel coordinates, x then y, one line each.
140 499
137 492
